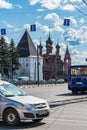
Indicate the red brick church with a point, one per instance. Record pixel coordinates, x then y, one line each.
53 65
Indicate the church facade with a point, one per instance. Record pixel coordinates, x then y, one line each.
53 65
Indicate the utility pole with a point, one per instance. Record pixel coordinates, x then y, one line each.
35 72
37 65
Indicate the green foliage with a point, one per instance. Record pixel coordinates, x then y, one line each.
8 57
4 56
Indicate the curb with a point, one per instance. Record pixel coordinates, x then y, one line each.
67 100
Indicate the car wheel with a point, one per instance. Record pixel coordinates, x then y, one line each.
11 117
37 120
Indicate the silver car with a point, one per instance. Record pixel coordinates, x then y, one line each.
16 105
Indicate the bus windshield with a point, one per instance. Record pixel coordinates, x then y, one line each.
78 71
77 78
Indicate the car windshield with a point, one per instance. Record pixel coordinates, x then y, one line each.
9 90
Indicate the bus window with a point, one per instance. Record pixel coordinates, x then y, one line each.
77 78
78 71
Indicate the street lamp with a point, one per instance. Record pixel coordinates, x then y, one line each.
37 64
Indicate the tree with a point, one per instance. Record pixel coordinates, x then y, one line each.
14 58
4 57
9 58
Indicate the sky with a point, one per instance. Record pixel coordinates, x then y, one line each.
48 16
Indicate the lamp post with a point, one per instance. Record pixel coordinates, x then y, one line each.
37 64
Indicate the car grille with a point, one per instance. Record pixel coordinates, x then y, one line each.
40 105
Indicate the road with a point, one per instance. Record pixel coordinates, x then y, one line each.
53 92
68 111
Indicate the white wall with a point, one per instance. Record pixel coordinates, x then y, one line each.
29 67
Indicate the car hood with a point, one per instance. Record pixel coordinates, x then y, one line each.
27 99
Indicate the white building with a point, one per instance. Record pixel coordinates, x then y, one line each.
31 64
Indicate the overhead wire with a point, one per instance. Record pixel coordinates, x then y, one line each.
84 2
77 8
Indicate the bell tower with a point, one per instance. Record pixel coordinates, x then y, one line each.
58 52
49 45
67 60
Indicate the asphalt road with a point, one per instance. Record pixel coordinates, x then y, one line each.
68 111
52 92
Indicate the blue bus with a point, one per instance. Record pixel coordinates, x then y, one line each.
77 78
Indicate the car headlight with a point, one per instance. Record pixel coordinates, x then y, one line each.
29 107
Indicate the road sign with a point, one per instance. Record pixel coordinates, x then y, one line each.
66 22
33 27
3 31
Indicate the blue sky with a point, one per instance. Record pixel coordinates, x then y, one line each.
16 15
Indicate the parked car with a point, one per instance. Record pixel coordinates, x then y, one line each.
51 81
23 79
60 81
42 81
17 105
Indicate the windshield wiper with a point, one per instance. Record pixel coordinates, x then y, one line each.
9 95
22 95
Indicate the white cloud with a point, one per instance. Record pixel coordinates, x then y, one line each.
27 26
38 24
68 7
57 27
81 21
71 5
52 16
57 22
75 52
8 25
62 49
54 4
78 58
73 21
62 45
50 4
46 29
33 2
76 37
17 5
66 1
17 29
83 34
40 10
5 4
